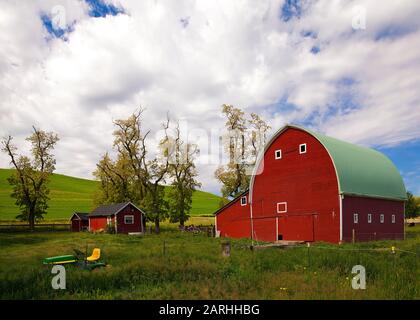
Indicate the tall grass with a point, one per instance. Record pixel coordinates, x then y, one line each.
175 265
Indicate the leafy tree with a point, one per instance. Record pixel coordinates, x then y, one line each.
115 177
245 137
412 208
30 180
134 176
183 173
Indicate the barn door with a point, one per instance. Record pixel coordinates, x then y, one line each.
296 227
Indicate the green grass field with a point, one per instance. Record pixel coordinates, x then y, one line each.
192 267
69 194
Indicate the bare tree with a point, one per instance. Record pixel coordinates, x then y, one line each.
245 137
183 173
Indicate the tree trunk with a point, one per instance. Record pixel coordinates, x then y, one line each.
182 218
31 219
157 227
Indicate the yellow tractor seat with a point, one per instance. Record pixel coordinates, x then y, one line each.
96 254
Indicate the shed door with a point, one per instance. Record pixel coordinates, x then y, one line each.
75 225
296 227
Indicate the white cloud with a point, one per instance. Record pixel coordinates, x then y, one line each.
237 52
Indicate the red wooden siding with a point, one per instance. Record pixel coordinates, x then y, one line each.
76 225
126 228
234 220
307 182
365 231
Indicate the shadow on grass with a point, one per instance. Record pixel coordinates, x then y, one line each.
10 239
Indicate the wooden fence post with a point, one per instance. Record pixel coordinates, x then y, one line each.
226 249
308 244
353 236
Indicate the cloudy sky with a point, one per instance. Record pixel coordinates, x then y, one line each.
350 69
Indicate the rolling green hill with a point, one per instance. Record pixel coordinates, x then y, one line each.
69 194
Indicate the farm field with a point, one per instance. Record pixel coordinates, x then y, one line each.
69 194
179 265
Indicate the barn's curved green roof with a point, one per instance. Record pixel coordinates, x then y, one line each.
362 171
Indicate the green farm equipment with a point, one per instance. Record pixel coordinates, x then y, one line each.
78 259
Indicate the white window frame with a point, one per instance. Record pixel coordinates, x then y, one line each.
127 216
275 154
393 218
369 218
242 203
355 218
382 218
285 207
300 146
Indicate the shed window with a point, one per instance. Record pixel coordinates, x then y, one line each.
302 148
281 207
356 218
393 218
129 219
277 154
369 218
243 201
382 218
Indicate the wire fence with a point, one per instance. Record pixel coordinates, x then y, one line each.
10 228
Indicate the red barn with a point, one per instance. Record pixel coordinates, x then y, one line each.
310 187
126 218
79 221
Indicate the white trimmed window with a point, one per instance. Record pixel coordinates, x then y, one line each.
281 207
302 148
369 218
128 219
382 218
356 218
243 201
393 218
277 154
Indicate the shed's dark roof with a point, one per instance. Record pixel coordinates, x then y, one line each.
108 210
82 215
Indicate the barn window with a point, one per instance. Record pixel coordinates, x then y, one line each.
129 219
281 207
356 218
243 201
393 218
369 218
302 148
277 154
382 218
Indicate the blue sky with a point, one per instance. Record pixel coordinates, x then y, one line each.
406 157
74 66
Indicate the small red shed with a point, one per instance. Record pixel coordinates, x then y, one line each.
79 221
310 187
126 218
